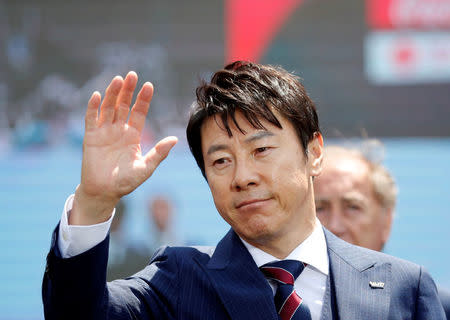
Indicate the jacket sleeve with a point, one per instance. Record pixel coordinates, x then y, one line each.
444 296
76 288
428 305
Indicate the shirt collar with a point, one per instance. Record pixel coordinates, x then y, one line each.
312 251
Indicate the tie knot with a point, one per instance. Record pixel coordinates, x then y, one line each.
284 271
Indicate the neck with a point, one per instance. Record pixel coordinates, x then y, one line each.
282 242
281 246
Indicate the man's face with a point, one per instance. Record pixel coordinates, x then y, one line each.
261 180
160 210
346 203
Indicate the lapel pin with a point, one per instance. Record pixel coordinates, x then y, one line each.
376 285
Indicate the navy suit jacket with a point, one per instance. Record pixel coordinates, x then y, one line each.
225 283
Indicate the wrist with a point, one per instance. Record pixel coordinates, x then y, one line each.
89 210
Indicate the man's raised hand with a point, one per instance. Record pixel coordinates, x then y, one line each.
113 164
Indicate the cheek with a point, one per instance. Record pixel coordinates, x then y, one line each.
291 186
324 218
361 226
219 196
367 219
287 173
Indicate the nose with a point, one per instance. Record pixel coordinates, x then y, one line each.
245 175
336 223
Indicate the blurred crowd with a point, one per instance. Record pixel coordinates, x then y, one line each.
125 257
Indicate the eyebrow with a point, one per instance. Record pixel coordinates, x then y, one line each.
254 137
259 135
353 197
216 147
346 198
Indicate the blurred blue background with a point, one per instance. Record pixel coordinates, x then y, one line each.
387 76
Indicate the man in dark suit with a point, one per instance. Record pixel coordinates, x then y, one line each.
254 133
355 198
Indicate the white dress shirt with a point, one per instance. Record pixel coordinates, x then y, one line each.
310 285
74 239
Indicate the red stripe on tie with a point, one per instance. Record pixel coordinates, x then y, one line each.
290 306
279 274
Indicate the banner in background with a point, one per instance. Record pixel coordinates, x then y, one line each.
250 26
408 42
417 14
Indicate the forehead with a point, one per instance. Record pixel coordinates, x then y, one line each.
213 130
343 174
346 163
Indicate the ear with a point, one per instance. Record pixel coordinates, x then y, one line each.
315 154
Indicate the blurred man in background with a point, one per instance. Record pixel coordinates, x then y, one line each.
127 257
161 214
124 258
355 199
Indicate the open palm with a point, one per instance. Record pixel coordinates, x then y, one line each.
113 164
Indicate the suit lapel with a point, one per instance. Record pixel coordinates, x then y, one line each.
327 313
362 286
244 291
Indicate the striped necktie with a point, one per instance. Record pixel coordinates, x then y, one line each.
287 301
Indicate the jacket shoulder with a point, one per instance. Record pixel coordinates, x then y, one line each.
183 254
362 258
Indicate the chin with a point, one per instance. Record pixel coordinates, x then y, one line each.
258 232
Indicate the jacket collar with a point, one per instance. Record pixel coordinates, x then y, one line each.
362 285
237 279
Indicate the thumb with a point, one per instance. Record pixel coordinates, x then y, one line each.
159 152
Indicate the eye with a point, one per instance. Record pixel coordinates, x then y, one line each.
320 207
262 150
221 163
321 210
353 207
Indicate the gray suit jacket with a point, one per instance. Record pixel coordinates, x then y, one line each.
373 285
225 283
444 295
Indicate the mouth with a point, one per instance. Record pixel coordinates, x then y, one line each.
250 202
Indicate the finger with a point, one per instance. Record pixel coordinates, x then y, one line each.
90 119
158 153
108 105
140 108
125 97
